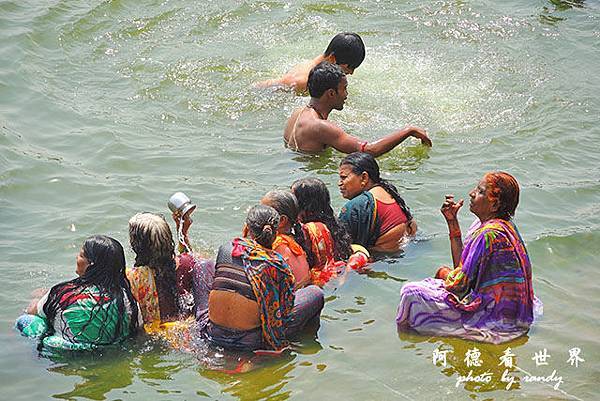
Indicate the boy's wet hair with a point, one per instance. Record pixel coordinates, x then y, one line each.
348 48
324 76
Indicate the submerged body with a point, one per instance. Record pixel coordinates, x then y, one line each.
375 215
488 298
95 309
252 304
308 130
345 49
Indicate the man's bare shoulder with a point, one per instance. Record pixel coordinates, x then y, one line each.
307 132
314 126
297 77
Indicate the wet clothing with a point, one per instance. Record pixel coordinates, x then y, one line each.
325 266
281 312
390 216
230 275
301 272
157 309
80 322
321 242
308 303
359 215
367 218
488 297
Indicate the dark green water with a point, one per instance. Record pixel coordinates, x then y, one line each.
108 107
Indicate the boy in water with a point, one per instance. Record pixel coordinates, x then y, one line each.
308 130
345 49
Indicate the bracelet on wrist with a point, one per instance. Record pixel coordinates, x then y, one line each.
455 234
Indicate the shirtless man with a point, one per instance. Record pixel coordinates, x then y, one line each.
345 49
308 130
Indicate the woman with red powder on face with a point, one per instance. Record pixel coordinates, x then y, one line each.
488 295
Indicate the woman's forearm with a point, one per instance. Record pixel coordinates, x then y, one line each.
456 245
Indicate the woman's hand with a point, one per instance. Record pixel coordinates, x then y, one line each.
187 222
450 208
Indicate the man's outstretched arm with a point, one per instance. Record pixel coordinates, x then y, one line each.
336 137
389 142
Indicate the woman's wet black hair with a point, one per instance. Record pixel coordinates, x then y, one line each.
151 239
361 162
106 272
314 204
263 221
348 48
322 77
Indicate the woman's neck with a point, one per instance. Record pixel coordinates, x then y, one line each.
286 229
370 185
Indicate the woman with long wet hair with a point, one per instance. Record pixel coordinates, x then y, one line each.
376 216
157 283
97 308
327 240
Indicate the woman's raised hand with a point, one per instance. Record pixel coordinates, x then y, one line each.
187 222
450 208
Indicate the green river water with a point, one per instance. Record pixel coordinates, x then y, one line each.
107 107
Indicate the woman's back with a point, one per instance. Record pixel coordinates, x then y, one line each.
295 257
232 302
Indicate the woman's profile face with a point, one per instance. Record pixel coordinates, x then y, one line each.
480 204
82 263
350 184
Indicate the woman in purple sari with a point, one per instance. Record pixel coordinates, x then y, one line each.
488 295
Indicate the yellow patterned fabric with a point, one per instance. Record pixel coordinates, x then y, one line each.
143 288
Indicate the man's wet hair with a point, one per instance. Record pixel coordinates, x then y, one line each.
324 76
348 48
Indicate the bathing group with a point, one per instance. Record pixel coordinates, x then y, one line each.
265 286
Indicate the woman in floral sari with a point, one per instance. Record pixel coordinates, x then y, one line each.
488 295
160 281
252 304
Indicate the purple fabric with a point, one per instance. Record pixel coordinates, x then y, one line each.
490 299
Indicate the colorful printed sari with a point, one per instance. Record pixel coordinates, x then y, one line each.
143 288
488 297
321 243
359 215
325 267
290 242
272 283
81 324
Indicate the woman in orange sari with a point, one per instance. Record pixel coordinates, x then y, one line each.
285 203
327 241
